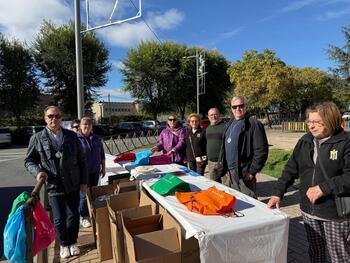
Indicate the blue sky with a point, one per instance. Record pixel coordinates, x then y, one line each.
299 31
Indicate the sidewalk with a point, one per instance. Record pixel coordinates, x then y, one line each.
297 244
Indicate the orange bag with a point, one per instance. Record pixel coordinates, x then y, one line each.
208 202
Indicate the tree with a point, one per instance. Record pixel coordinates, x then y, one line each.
19 90
55 57
342 72
263 78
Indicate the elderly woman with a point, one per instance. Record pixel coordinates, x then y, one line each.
321 160
172 140
196 145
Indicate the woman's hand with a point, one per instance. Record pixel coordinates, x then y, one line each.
274 202
153 149
313 193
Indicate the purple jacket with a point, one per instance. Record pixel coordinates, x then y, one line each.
94 152
170 139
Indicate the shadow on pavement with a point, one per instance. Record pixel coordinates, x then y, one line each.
8 194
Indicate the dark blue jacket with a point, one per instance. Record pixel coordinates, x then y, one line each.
65 174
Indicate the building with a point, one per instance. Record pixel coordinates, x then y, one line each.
103 109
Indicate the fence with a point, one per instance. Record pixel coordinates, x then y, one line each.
128 142
300 126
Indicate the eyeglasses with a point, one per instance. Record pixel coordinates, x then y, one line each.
51 116
239 106
316 123
171 119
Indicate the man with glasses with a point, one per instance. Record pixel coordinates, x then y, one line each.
244 149
56 155
75 125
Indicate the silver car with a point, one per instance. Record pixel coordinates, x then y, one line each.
5 136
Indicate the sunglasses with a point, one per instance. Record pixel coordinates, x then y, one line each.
171 119
51 116
240 106
75 127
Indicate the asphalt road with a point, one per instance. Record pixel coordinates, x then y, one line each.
14 179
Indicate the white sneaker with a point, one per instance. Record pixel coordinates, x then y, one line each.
85 223
74 250
64 252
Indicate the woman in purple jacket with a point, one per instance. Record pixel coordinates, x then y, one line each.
172 140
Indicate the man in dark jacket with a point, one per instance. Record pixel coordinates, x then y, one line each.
244 149
56 155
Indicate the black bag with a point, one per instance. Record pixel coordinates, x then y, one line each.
342 202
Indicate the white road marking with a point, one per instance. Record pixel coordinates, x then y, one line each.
5 160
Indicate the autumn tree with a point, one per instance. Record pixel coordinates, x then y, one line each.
55 57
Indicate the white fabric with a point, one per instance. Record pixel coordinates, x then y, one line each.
261 235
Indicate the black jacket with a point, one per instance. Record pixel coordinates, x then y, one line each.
335 156
65 174
199 143
252 148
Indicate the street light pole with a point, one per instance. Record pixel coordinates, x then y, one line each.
197 76
79 61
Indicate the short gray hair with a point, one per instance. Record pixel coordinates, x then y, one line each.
51 107
239 97
86 118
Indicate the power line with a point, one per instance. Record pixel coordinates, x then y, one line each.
149 27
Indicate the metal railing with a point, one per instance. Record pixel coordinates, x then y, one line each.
117 144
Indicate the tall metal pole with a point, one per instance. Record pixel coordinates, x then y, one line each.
197 75
79 61
110 109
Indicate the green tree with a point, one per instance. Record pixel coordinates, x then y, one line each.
263 78
341 56
19 90
55 57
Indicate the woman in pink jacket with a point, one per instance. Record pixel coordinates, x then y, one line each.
172 140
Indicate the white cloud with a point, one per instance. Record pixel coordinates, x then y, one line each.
129 35
117 64
296 5
333 14
231 33
22 19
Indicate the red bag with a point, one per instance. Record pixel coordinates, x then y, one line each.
127 156
44 232
159 159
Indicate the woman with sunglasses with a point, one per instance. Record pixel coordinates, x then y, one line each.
171 140
196 145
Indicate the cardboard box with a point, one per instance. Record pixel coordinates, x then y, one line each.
115 204
150 239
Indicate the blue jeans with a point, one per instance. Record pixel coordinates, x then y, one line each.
92 181
65 213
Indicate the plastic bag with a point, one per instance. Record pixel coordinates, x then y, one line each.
127 156
44 232
142 158
169 184
15 237
160 159
20 200
208 202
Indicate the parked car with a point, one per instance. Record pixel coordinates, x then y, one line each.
5 136
163 125
22 134
102 130
150 125
346 116
127 127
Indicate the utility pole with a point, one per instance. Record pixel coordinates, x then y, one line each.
197 76
79 62
110 109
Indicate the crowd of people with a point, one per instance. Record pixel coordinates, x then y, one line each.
233 153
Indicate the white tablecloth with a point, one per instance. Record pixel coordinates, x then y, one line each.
261 235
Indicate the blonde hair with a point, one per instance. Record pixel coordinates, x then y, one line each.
193 115
329 113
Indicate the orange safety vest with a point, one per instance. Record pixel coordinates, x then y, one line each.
208 202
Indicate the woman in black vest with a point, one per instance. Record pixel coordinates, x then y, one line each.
196 143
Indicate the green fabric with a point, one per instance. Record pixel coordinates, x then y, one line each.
169 184
22 198
214 140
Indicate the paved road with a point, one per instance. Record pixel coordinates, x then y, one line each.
14 179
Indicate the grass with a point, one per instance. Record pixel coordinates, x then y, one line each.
276 162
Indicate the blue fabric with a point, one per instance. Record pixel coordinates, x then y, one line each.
231 143
142 158
15 237
189 171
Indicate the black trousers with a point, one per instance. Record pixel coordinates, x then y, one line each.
197 167
65 213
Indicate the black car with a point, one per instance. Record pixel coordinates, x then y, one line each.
127 127
22 134
101 130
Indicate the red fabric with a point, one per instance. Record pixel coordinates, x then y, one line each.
128 156
208 202
160 159
44 232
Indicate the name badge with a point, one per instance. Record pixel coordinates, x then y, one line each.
228 140
58 155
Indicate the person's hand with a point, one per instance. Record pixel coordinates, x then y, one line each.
170 153
83 188
313 193
274 202
248 177
41 175
153 149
